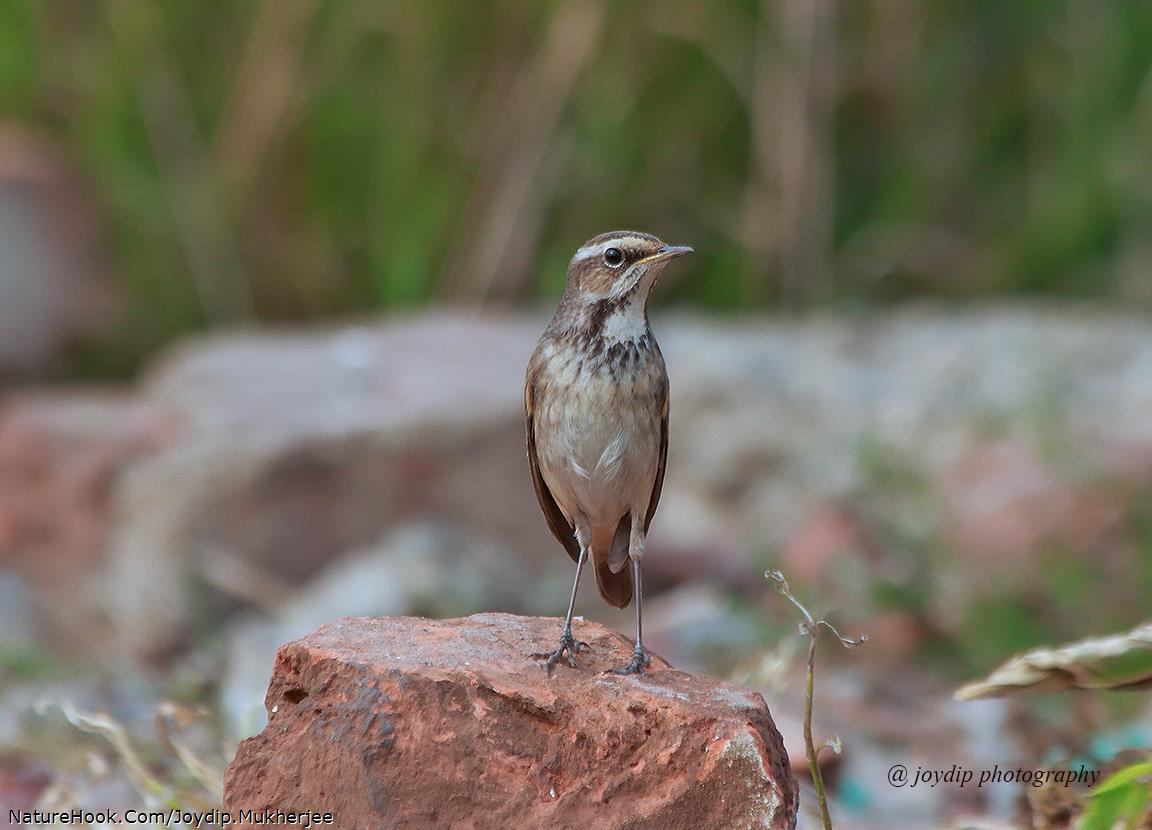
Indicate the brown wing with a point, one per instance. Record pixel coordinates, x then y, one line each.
561 529
658 484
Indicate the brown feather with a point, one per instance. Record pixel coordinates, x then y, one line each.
615 586
658 483
561 528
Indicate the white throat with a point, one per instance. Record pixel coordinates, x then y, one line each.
628 323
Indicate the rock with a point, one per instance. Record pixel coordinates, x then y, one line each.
300 448
283 452
61 456
413 723
417 566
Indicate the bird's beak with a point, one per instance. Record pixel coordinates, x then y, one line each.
668 252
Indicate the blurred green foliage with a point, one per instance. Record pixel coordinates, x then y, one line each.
300 158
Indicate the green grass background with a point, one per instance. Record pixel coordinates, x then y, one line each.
296 159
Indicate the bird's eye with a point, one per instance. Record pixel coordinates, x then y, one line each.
613 257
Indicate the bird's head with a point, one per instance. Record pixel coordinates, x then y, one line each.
619 266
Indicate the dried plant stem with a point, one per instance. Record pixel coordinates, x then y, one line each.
811 626
809 745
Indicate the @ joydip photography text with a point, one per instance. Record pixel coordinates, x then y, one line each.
960 776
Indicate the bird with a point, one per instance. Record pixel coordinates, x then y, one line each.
596 417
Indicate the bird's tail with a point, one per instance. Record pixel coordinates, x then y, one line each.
615 587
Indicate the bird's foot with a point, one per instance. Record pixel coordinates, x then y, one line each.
567 650
640 661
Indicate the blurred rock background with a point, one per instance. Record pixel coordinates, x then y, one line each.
270 273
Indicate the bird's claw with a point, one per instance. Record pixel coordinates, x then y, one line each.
640 661
567 650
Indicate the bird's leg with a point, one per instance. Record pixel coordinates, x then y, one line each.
640 658
569 645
